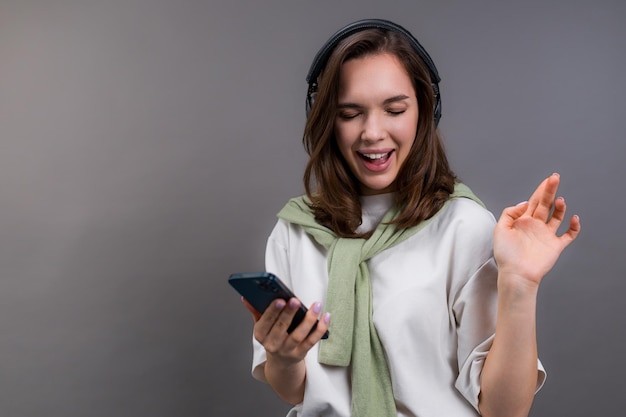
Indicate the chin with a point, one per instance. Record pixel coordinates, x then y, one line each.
373 189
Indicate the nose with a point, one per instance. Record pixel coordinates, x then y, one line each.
373 128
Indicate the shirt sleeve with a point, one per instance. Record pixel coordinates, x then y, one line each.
474 306
475 314
276 262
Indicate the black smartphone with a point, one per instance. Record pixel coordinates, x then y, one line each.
261 288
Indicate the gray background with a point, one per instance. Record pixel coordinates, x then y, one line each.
145 147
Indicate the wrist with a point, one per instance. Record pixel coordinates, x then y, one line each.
513 286
286 378
282 363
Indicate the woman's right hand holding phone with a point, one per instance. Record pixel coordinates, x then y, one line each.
285 370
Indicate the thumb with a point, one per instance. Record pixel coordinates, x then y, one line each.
510 214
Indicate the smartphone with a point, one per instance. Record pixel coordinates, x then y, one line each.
261 288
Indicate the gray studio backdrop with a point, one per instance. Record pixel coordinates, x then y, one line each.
145 147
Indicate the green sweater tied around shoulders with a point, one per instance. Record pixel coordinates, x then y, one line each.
353 339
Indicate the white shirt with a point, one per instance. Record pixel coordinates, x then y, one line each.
434 300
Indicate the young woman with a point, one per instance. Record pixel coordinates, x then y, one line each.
433 313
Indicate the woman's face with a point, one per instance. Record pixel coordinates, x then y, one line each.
376 121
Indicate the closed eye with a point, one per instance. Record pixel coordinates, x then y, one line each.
348 115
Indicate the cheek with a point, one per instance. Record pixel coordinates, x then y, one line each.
407 132
409 136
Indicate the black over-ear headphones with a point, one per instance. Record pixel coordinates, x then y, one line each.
321 58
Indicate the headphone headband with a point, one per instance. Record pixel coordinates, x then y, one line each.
321 58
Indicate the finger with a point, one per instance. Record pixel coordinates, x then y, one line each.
266 322
534 199
573 231
282 323
302 331
558 214
316 335
255 314
542 199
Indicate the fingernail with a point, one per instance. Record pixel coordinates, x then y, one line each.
521 202
317 307
280 304
293 303
556 173
326 318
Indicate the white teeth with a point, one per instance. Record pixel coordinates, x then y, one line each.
374 155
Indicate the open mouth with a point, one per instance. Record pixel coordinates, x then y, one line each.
375 158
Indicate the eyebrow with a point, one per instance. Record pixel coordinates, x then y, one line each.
390 100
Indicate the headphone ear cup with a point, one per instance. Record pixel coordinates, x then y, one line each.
310 99
437 109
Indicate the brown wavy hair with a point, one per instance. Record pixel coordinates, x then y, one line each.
425 180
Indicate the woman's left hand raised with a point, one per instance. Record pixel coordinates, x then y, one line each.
526 244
